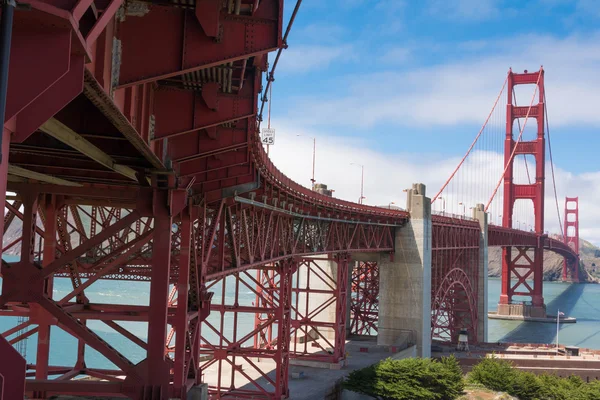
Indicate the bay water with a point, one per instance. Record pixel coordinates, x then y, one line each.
575 300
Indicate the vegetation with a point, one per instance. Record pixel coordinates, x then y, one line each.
427 379
409 379
500 375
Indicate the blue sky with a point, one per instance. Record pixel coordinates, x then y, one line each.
412 82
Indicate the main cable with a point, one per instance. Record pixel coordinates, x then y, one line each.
512 155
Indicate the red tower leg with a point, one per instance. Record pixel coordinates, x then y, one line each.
571 238
528 263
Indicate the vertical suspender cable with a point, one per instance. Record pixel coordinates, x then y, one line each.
271 76
472 144
552 168
512 155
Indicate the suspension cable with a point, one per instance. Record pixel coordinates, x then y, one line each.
552 168
271 76
512 155
472 144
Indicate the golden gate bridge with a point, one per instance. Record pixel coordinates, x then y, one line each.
131 151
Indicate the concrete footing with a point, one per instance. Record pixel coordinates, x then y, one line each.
198 392
521 317
521 310
317 364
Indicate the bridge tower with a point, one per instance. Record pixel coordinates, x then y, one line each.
571 238
524 263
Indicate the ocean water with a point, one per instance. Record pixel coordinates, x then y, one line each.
576 300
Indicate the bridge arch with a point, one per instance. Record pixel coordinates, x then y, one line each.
454 307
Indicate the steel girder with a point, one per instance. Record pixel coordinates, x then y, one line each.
320 309
454 278
245 342
364 305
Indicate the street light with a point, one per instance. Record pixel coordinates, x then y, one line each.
313 160
443 204
362 181
390 205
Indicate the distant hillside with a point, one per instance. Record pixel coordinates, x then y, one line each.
589 268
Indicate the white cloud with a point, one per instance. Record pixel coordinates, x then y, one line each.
463 91
319 33
464 10
396 55
588 7
304 58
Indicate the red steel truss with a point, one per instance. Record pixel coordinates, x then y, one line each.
320 309
524 264
571 238
364 304
134 155
454 277
204 248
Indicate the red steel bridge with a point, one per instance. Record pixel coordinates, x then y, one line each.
131 152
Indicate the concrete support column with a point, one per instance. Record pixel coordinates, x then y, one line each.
482 284
405 280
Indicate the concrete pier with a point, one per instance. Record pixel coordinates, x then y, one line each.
405 280
482 285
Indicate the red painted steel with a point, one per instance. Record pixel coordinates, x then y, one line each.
571 238
526 264
364 303
454 277
170 92
320 294
12 372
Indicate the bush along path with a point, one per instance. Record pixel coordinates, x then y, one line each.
500 375
428 379
409 379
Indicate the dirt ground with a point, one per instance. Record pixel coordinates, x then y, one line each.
473 393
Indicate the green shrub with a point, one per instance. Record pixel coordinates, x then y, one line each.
409 379
499 375
494 374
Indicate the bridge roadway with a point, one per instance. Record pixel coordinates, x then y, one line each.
134 154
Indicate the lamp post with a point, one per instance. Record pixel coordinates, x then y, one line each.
443 204
390 205
362 181
313 160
